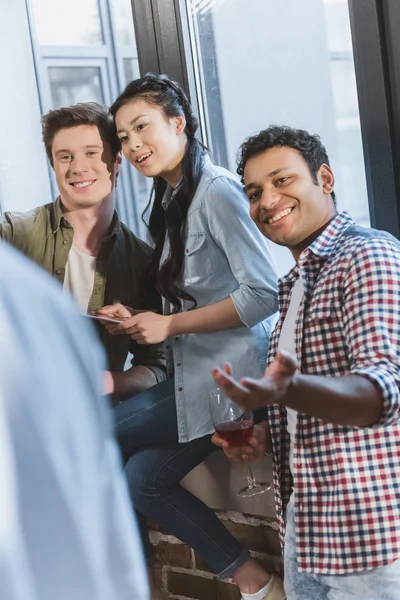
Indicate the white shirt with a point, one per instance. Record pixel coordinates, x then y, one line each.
287 342
66 525
80 271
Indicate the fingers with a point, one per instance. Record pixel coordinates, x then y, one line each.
118 311
238 454
287 361
217 441
227 368
227 382
112 329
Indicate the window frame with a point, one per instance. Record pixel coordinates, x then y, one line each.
163 38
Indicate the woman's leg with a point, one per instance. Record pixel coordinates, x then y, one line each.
154 474
147 431
147 418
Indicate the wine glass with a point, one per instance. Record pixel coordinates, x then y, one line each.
235 426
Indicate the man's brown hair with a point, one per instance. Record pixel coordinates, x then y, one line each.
85 113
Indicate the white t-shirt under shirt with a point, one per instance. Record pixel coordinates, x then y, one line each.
287 342
79 276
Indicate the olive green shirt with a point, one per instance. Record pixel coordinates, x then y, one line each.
45 236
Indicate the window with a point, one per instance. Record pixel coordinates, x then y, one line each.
260 63
85 50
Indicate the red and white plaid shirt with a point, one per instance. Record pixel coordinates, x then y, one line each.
346 479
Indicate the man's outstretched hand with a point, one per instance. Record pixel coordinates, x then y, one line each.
257 393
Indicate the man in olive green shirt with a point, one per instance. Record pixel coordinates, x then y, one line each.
80 240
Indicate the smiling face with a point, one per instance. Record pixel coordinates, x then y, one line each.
153 143
84 167
287 205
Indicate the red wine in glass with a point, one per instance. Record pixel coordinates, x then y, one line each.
236 427
237 433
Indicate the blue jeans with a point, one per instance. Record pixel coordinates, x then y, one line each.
155 463
377 584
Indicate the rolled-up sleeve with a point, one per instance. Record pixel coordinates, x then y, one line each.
372 320
246 249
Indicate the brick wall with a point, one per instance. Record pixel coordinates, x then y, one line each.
183 575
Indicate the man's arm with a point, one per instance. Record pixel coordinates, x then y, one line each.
6 228
351 400
130 382
148 368
369 394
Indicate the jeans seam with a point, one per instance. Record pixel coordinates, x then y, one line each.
179 513
215 544
131 416
182 451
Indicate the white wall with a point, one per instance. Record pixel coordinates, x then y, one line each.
24 181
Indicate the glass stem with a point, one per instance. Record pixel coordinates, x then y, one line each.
250 476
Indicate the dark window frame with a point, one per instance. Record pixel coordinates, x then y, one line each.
162 34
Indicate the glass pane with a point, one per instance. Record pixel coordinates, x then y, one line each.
131 69
70 85
71 23
123 22
291 65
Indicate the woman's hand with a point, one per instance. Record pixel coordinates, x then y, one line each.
116 311
143 327
257 445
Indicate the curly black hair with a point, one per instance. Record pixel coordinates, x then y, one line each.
309 146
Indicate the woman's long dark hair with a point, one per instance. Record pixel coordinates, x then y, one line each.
161 91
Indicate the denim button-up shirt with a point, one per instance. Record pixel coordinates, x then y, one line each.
225 256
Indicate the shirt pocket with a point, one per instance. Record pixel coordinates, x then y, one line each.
321 309
324 343
197 261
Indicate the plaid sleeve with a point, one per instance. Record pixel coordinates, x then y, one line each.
371 313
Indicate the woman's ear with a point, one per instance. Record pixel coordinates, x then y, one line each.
180 124
117 164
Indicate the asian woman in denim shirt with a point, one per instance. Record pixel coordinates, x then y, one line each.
215 274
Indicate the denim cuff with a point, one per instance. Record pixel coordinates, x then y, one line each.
237 563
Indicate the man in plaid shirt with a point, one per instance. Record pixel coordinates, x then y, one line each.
332 384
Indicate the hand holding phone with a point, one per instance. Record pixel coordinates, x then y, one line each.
100 318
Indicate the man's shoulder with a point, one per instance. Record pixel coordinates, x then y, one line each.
24 223
363 252
360 234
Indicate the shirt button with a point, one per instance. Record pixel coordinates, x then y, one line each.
58 271
187 250
177 339
167 347
178 364
65 242
180 389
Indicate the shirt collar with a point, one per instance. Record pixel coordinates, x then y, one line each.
169 194
326 242
323 246
57 216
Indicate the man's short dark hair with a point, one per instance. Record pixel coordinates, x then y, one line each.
309 146
85 113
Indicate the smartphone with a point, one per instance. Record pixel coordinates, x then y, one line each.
100 318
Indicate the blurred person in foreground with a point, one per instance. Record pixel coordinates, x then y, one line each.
332 382
66 525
